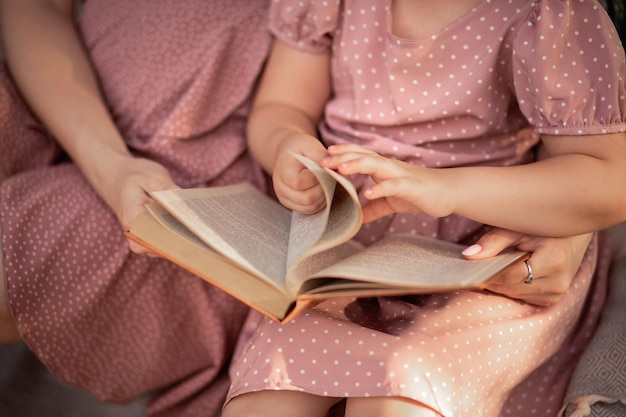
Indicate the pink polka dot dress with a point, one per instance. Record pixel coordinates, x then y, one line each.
478 92
178 80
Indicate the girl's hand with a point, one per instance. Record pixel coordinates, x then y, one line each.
296 187
400 187
554 263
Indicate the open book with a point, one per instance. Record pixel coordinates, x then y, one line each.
281 262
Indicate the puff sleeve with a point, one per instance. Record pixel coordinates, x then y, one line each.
569 69
305 24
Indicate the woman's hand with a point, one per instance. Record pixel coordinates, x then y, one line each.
127 187
42 34
400 187
554 263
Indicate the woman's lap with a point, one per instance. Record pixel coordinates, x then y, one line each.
113 322
117 324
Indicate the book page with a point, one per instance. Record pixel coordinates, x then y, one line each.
307 229
413 262
338 223
301 272
165 219
175 243
344 220
239 222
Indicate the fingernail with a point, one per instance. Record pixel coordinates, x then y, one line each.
472 250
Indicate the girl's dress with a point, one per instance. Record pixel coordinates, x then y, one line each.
177 78
477 92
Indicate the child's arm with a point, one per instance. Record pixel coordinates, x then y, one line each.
578 188
294 89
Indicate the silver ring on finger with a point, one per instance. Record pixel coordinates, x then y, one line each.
530 278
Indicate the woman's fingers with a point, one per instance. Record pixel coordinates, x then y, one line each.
537 280
552 264
492 243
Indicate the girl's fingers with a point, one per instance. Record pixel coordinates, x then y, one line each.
300 192
356 162
340 161
377 167
348 147
398 187
375 210
308 202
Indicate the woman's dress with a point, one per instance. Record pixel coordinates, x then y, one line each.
178 77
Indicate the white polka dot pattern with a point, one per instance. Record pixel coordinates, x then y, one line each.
478 92
461 353
178 82
451 99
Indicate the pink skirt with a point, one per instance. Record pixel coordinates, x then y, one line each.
117 324
460 354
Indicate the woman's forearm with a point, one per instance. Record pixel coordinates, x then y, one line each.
48 62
